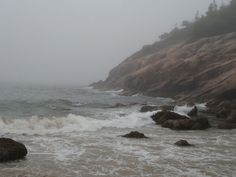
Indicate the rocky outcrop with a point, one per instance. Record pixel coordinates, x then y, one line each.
186 69
175 121
11 150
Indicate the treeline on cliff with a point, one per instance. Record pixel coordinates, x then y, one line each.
218 20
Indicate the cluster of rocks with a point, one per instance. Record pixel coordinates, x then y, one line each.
138 135
176 121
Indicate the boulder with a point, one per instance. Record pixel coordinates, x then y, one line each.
11 150
148 108
134 134
163 116
193 112
182 143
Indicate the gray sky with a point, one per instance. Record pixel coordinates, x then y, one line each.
79 41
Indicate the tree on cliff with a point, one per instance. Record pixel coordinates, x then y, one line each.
218 20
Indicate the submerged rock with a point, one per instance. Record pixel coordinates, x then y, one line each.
182 143
148 108
118 105
11 150
134 134
166 108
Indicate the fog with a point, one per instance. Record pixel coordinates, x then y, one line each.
79 41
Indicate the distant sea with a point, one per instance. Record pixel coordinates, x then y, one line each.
74 131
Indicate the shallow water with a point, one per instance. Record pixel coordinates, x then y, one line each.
84 140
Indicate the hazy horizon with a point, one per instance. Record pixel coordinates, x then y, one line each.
79 42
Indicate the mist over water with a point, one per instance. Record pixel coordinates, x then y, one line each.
51 50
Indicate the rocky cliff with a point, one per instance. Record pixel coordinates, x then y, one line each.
200 69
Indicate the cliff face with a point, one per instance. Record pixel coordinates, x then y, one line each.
188 69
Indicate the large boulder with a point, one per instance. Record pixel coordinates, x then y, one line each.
134 134
11 150
163 116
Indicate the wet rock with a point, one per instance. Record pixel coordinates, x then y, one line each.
230 122
166 108
163 116
193 112
148 108
200 123
134 134
118 105
227 125
182 143
232 117
223 112
11 150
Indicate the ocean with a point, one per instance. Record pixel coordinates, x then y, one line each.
75 132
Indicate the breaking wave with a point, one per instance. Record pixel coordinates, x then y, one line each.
71 123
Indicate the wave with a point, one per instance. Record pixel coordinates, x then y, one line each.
71 123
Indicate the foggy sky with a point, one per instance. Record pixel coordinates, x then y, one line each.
79 41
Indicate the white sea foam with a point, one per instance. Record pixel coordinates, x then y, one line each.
37 125
201 106
185 109
115 91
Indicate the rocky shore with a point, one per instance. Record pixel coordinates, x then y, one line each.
187 70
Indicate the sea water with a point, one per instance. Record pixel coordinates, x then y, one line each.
75 132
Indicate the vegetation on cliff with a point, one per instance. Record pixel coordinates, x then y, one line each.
217 21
